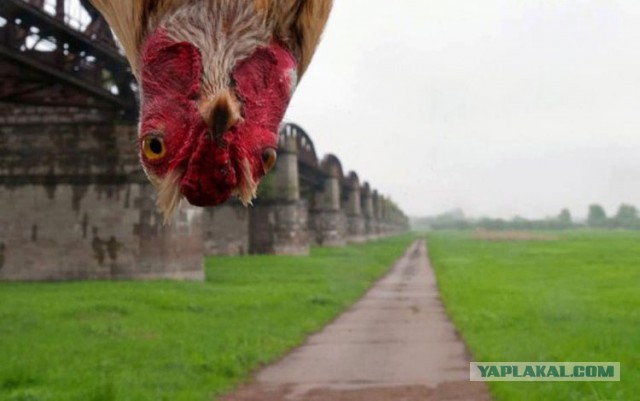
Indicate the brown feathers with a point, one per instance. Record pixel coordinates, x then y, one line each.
220 113
169 195
132 20
246 191
298 23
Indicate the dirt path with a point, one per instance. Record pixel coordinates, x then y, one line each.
395 344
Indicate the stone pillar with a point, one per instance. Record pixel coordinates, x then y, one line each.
384 229
385 216
394 220
355 219
76 205
226 229
279 219
174 250
286 177
326 216
367 210
377 214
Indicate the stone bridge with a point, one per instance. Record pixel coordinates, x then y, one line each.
74 203
304 201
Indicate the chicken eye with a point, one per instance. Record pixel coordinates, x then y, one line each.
153 147
269 157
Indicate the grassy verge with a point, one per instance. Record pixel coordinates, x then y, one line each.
105 341
574 298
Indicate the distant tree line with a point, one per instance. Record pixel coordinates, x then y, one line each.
627 217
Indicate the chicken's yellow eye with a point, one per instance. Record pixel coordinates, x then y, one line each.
153 147
269 157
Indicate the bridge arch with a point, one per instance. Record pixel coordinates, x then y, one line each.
332 166
352 180
306 150
365 190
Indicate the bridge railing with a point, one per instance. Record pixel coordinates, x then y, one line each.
80 16
66 42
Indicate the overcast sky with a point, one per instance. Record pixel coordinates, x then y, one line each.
502 108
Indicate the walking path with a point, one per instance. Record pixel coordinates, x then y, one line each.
396 344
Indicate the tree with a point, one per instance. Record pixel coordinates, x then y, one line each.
627 212
564 218
627 217
597 216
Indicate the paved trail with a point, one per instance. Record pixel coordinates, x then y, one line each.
395 344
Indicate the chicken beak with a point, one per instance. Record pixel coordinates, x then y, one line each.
220 114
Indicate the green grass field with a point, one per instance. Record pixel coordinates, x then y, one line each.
576 298
137 341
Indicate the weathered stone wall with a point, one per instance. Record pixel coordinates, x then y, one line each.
60 232
334 209
279 221
326 227
95 232
327 220
280 228
75 205
356 231
40 115
172 251
226 230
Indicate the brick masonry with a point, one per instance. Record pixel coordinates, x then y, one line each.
40 115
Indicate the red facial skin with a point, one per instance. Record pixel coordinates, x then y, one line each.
211 169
